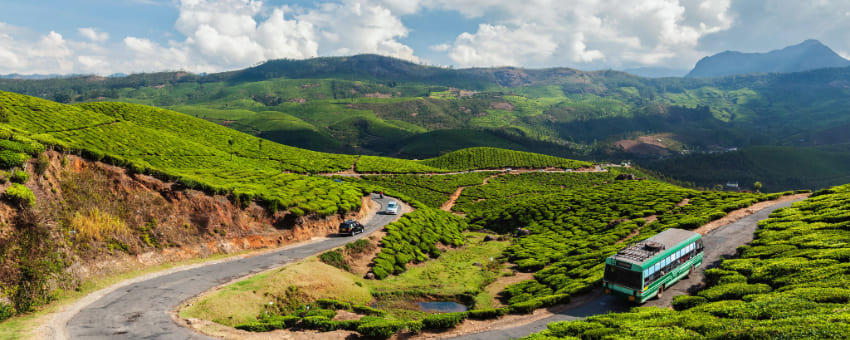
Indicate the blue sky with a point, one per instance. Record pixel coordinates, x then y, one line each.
104 37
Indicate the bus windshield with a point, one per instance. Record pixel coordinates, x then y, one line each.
623 277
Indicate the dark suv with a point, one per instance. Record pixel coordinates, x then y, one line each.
350 227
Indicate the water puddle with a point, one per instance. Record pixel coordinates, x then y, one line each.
441 307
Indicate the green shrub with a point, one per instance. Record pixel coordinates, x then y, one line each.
713 275
334 258
348 325
255 327
572 328
269 323
332 304
381 328
683 302
823 192
366 310
414 326
526 307
490 313
6 311
10 159
318 322
19 176
42 164
380 273
733 291
20 195
357 247
444 320
327 313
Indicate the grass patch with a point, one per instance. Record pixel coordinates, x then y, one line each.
454 273
95 223
242 301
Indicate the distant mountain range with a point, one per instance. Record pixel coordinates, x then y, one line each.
808 55
657 72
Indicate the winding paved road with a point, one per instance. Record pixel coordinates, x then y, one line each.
719 243
142 310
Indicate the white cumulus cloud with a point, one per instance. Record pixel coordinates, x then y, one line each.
93 35
584 33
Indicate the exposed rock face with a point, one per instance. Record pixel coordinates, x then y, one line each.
163 221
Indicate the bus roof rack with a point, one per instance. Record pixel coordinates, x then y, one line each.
641 251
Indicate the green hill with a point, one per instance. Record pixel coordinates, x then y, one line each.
382 106
203 155
778 168
492 158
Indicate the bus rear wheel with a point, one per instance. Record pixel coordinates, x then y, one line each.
660 293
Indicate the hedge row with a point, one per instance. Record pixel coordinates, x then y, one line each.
414 238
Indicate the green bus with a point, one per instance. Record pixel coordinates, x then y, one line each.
644 269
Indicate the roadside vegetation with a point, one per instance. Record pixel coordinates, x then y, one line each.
309 294
560 226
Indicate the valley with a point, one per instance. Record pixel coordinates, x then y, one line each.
515 186
379 106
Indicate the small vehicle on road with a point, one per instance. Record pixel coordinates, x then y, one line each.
392 208
351 227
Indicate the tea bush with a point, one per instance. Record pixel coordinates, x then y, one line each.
414 238
444 320
493 158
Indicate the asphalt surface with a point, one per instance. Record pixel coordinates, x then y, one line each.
141 310
719 243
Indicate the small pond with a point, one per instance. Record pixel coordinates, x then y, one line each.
441 307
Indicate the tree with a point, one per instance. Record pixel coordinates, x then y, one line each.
230 142
757 186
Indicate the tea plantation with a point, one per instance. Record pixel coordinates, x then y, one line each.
571 233
493 158
791 282
430 190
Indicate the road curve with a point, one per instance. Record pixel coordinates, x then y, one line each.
142 310
719 243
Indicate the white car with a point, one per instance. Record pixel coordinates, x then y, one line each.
392 208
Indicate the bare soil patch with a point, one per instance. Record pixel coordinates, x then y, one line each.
499 285
361 263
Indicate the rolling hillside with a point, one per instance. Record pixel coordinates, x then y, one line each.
133 185
381 106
